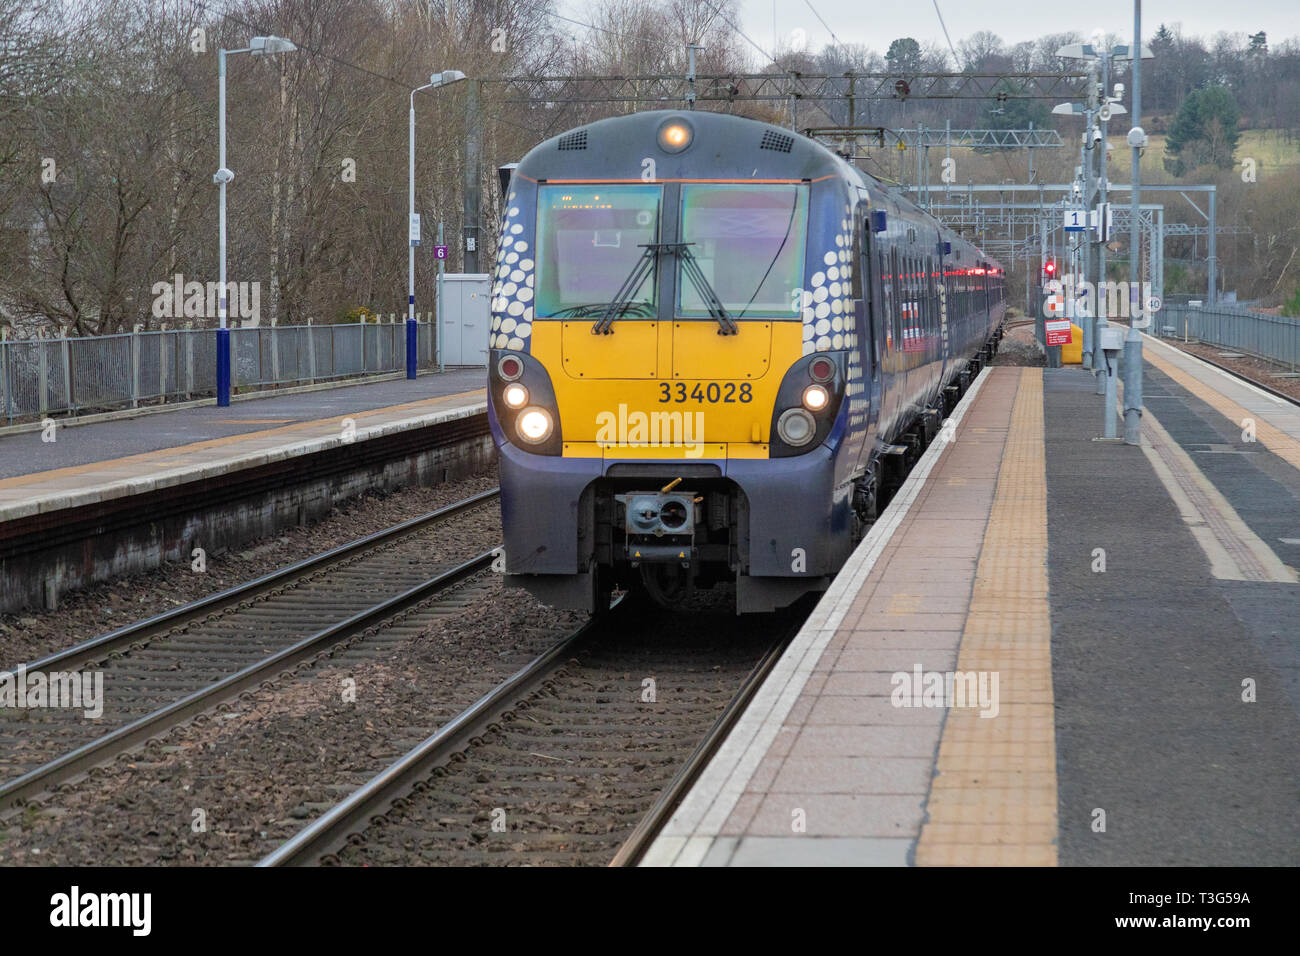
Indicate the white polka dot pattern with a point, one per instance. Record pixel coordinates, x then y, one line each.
831 295
512 291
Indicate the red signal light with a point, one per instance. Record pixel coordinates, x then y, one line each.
1049 267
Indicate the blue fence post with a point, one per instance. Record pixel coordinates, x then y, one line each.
412 346
223 367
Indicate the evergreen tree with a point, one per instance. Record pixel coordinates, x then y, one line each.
904 56
1204 132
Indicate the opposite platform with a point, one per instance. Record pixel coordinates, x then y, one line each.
93 463
1047 650
64 528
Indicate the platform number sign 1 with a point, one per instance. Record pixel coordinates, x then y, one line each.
1076 220
440 252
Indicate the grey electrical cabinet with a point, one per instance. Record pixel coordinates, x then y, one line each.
464 318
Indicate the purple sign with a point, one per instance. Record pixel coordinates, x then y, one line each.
440 252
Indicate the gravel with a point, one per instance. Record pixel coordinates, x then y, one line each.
86 614
1261 370
1019 347
231 786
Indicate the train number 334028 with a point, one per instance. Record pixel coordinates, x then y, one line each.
701 392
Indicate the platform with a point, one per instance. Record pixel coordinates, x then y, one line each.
107 459
1049 650
115 497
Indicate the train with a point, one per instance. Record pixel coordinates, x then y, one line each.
716 347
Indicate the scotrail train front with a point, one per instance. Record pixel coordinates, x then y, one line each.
715 346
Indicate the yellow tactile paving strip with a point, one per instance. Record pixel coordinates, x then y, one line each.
1273 438
164 458
993 798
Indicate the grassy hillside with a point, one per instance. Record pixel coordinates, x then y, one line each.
1269 148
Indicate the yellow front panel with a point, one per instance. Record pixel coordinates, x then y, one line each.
631 350
688 451
700 352
633 416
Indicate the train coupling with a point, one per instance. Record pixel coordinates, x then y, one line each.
659 526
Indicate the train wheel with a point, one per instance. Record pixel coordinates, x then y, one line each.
668 585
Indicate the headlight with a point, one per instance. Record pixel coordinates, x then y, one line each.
815 398
534 425
674 136
515 395
796 427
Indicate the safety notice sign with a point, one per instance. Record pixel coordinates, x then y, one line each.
1058 331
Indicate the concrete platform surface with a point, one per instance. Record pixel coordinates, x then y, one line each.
26 453
97 462
1049 650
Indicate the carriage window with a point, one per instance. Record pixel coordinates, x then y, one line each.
898 300
749 243
887 323
589 239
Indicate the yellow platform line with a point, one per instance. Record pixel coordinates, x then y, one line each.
993 798
164 457
1273 438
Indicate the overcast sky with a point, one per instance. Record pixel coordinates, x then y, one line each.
876 23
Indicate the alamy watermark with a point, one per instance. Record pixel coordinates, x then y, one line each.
1069 298
37 690
675 429
946 689
179 299
132 911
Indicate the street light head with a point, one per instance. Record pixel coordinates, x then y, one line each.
223 176
271 44
1137 137
1076 51
446 77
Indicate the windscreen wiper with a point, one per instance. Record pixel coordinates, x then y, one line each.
691 269
622 301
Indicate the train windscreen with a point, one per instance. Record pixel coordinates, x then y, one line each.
589 239
749 242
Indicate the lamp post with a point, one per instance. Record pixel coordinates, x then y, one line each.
1097 111
1137 140
445 78
258 46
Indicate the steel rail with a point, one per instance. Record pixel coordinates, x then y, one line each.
329 831
123 738
96 647
634 847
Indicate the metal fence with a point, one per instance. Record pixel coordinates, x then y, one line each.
40 377
1274 337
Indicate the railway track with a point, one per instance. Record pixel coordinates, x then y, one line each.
1263 386
575 759
168 669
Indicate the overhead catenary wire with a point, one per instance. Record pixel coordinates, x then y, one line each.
955 58
745 36
835 39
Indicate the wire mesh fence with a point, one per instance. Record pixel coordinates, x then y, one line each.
40 377
1273 337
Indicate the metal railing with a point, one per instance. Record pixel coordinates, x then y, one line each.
40 377
1273 337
